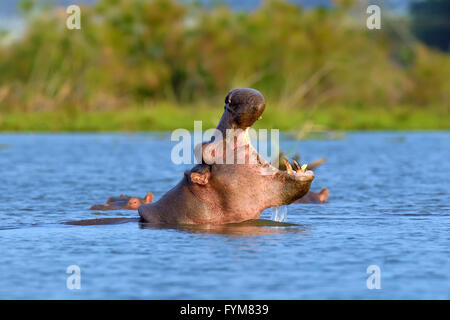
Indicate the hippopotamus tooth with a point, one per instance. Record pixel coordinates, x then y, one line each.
296 165
288 166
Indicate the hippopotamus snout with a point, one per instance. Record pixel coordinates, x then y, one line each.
242 108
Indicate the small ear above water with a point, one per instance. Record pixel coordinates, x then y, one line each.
323 194
148 198
200 178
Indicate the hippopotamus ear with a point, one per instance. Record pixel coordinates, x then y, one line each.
199 178
148 198
200 174
324 194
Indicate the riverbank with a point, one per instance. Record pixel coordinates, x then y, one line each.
167 117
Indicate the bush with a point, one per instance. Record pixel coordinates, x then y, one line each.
132 52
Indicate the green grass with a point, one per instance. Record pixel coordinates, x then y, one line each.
167 117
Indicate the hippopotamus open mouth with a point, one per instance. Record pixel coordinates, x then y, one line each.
233 183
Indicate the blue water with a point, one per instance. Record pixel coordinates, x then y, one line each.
389 206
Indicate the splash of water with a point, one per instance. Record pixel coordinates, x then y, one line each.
279 214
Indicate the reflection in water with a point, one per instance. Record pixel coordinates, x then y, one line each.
101 221
246 228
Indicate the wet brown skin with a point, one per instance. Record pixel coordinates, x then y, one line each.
118 203
124 202
215 193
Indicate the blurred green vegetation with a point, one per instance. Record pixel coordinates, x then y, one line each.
160 64
168 117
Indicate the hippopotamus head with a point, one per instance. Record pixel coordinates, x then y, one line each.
123 202
233 183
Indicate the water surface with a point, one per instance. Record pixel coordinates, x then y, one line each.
389 206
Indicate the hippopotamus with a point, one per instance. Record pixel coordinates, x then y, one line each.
315 197
233 183
123 202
